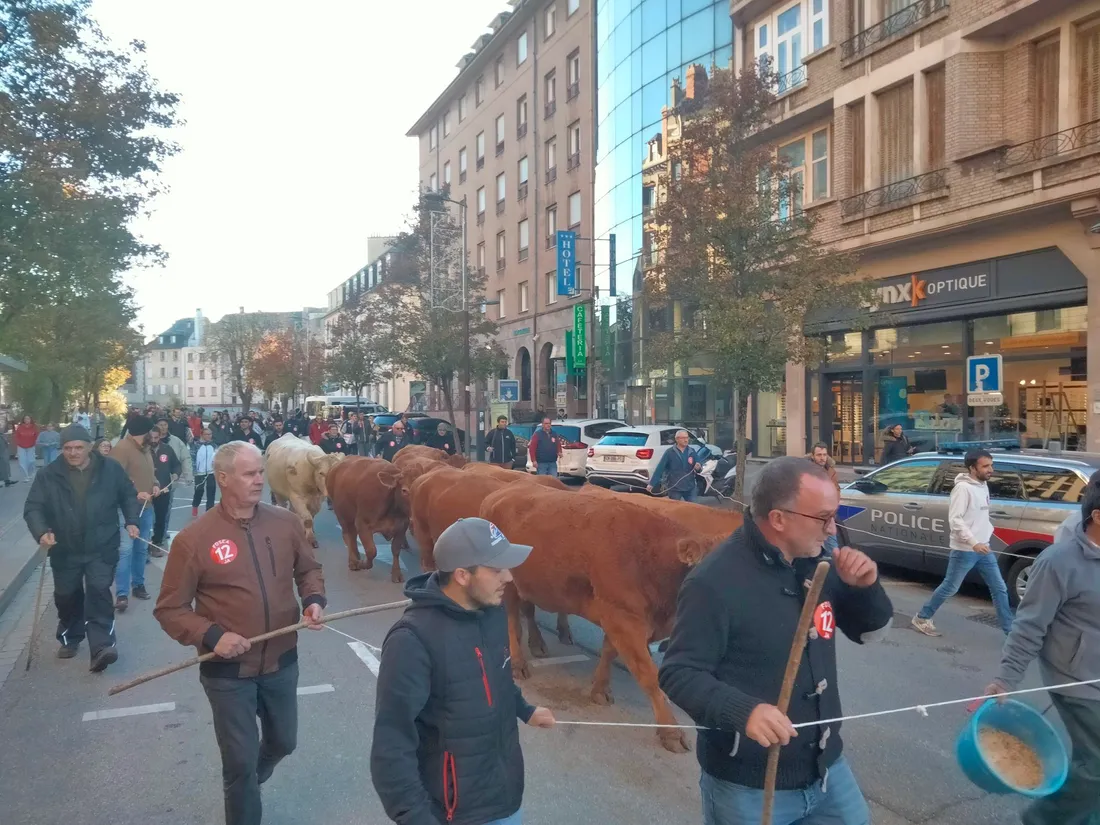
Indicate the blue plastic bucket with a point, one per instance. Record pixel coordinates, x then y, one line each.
1026 724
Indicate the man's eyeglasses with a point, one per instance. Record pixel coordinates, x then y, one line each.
825 520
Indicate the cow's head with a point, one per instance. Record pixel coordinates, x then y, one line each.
401 504
456 461
322 464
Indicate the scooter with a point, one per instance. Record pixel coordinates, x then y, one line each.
724 474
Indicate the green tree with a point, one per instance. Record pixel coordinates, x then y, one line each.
418 310
355 352
82 126
736 268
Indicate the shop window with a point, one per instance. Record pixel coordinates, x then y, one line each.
1043 332
905 346
912 477
844 347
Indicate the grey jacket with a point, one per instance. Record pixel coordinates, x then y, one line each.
1059 619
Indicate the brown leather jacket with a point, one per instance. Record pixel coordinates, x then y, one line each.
240 576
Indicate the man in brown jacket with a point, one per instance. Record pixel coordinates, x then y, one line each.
819 455
228 578
136 457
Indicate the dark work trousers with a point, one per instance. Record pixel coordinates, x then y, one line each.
248 760
1077 802
162 509
82 593
208 483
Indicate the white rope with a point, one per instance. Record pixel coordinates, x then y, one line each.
377 651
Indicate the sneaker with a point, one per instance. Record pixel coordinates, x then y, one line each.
156 552
141 593
107 656
121 603
67 651
925 626
194 512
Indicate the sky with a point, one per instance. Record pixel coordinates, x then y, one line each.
294 148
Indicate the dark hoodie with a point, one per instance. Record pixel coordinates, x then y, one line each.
446 741
894 449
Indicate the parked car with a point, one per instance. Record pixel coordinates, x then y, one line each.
898 513
630 455
579 435
384 421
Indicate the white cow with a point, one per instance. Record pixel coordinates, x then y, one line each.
297 471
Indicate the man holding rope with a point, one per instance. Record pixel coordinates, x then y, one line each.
681 464
133 453
736 615
228 579
72 510
1059 621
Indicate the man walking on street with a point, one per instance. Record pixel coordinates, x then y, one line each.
545 449
393 442
500 443
820 456
72 509
204 472
446 741
971 530
1059 620
731 641
132 452
5 460
166 469
681 464
229 578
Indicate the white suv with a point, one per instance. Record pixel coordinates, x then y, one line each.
579 434
630 455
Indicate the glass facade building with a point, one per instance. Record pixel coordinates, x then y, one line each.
642 48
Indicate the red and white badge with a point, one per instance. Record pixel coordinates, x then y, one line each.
691 459
223 551
824 620
163 458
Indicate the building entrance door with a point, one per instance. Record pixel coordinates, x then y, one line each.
843 393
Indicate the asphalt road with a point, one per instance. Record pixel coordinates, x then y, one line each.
64 760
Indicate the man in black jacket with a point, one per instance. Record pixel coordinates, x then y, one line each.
244 431
446 706
393 441
166 469
441 439
72 509
735 620
500 444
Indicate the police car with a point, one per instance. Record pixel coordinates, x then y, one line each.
898 513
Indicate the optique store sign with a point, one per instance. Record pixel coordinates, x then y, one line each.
956 285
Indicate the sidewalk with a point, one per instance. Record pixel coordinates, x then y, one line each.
18 552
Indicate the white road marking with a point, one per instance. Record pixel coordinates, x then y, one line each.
559 660
139 710
368 658
310 689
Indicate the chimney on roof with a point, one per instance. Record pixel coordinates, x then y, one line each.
696 81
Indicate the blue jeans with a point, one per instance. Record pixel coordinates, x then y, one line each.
684 495
960 563
835 801
546 468
514 819
49 455
26 462
132 554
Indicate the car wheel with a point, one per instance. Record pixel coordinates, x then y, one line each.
1016 580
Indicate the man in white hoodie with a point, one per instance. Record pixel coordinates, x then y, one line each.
971 530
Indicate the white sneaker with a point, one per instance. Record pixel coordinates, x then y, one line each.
925 626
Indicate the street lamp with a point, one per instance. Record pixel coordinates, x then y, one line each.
437 199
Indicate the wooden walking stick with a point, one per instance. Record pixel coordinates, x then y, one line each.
798 646
263 637
37 606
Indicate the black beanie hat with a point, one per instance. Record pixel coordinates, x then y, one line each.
139 425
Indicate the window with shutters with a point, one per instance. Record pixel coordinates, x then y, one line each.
1088 72
934 87
896 133
1046 86
858 160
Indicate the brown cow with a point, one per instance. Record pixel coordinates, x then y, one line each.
442 497
515 475
369 495
617 563
416 452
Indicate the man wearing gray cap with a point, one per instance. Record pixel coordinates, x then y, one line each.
446 706
72 510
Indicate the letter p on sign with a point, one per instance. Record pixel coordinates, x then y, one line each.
984 373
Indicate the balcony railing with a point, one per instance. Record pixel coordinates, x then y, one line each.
523 254
480 218
895 192
551 174
889 27
572 91
1048 146
521 193
791 80
481 163
573 162
500 207
500 264
500 148
521 131
550 108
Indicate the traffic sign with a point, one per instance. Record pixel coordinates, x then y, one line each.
984 399
508 389
983 373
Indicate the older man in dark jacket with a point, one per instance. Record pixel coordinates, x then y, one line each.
72 509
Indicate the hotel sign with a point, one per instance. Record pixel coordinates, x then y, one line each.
956 285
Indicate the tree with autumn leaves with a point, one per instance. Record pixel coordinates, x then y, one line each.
289 363
736 268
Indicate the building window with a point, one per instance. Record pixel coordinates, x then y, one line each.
213 374
550 20
500 303
175 372
481 200
551 287
462 165
447 123
501 250
176 356
856 123
571 6
551 158
447 173
647 200
480 149
789 34
551 225
190 391
162 375
162 355
433 182
935 91
498 73
896 133
523 171
550 92
521 48
574 144
462 108
573 74
479 90
523 297
808 156
433 137
501 188
1088 71
202 375
500 134
190 357
1046 86
524 239
574 209
521 116
481 257
190 374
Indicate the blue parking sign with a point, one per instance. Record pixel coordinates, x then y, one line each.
983 373
508 389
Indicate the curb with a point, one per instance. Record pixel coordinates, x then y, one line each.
7 595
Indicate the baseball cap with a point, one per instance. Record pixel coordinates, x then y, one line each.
473 542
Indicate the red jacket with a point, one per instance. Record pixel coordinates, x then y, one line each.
26 435
317 431
195 423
